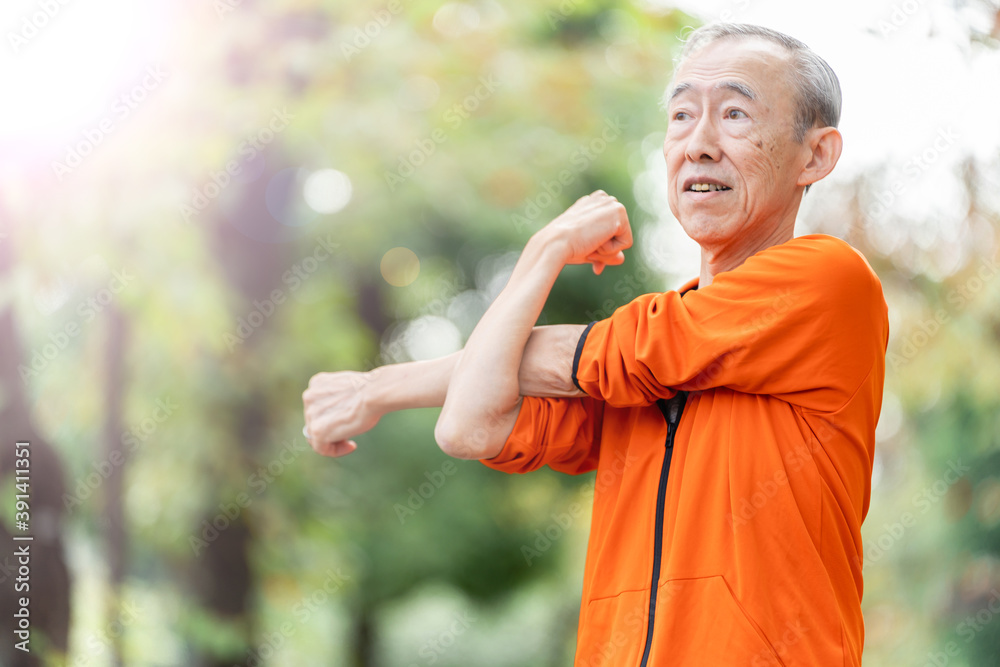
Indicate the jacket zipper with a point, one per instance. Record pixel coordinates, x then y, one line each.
671 410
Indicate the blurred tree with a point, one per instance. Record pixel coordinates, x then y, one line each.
49 582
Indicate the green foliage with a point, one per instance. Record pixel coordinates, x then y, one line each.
460 172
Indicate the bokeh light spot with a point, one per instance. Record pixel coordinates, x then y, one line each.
400 267
455 19
327 190
431 337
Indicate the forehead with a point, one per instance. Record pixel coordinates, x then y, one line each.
761 65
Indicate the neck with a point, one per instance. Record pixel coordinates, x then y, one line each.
726 258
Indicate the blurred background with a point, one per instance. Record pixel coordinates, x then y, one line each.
203 203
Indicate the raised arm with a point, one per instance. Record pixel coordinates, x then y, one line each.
341 405
484 396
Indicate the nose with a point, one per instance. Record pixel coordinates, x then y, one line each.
703 141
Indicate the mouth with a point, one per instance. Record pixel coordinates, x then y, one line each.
707 187
701 188
704 184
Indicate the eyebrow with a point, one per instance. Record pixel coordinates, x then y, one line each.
736 86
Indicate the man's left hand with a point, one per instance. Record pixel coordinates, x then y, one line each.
594 230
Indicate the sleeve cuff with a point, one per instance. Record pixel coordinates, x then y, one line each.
579 351
511 450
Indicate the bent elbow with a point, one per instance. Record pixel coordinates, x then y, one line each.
450 440
455 441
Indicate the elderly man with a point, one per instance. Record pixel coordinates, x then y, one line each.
731 422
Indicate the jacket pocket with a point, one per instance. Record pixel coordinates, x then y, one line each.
700 622
612 630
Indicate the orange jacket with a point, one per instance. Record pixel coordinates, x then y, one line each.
732 429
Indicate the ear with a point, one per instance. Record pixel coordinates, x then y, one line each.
824 145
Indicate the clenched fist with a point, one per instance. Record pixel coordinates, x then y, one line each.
594 230
337 409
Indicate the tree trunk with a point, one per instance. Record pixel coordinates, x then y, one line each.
115 534
49 581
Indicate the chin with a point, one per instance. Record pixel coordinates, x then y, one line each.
706 231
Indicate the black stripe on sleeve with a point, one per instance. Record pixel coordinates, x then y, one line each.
579 351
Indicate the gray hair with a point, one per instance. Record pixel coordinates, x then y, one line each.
816 84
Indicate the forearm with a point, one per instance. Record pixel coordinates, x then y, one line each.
547 365
484 395
342 405
545 370
414 384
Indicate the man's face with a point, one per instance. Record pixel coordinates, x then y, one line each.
731 124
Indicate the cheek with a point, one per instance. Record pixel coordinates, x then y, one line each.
763 162
669 151
673 159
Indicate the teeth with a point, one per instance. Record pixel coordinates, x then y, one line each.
707 187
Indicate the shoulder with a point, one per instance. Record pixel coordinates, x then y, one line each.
833 252
821 262
815 251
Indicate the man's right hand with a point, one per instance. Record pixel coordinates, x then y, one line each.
337 408
340 406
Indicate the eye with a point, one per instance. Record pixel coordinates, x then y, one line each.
735 114
680 115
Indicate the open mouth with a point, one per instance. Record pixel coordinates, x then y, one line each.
707 187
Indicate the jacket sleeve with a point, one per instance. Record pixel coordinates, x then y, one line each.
563 433
804 321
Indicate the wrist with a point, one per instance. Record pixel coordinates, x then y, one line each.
376 390
548 247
